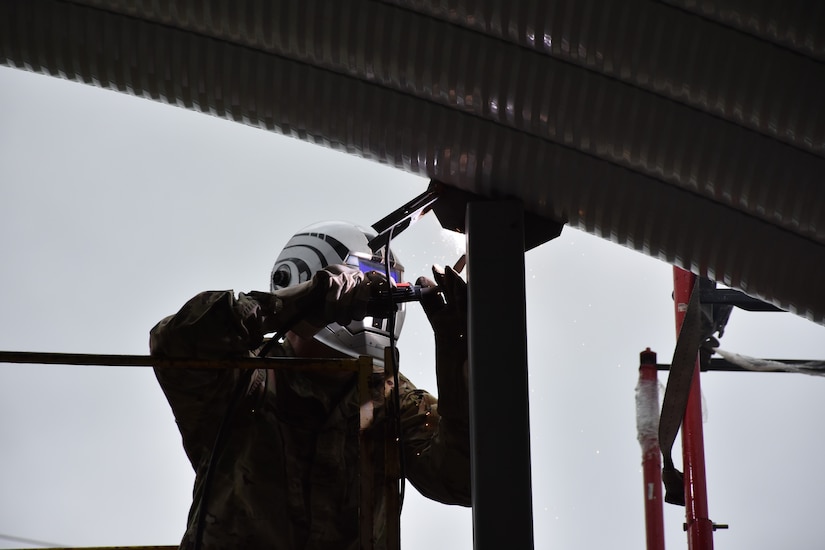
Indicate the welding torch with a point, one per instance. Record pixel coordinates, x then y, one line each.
379 306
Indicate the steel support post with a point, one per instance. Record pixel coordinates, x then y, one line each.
699 527
647 414
499 411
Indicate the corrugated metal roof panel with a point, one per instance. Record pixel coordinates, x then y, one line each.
793 24
658 48
474 106
586 110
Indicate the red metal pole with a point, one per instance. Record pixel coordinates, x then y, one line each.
699 527
647 416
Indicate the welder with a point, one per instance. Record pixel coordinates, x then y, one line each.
281 471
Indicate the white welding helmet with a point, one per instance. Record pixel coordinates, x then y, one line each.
329 243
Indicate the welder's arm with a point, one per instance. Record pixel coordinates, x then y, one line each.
216 324
447 313
436 431
436 449
211 325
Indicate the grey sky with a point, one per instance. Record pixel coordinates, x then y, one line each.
115 210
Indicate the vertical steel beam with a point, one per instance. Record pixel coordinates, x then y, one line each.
698 525
499 408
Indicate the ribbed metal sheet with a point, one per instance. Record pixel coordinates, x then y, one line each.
470 103
534 93
663 50
793 24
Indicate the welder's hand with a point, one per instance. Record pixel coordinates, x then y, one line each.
347 295
447 309
447 312
336 294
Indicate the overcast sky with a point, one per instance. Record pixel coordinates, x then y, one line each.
115 210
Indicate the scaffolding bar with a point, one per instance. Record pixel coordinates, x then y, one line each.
723 365
698 525
647 411
499 411
392 459
41 358
175 547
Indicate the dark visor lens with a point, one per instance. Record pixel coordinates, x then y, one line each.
369 265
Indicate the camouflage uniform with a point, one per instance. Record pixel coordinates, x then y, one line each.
287 477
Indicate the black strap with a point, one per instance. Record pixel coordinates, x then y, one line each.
676 396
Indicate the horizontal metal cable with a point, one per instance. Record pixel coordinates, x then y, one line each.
346 364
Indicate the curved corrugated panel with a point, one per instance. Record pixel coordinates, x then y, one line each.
530 92
660 49
793 24
471 109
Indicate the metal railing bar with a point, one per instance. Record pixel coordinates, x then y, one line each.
46 358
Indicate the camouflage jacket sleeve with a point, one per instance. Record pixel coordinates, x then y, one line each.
436 447
213 324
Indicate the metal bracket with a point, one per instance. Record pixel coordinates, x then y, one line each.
731 297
